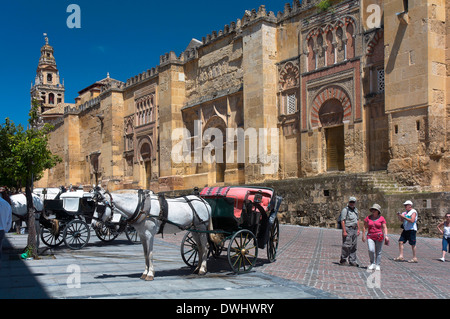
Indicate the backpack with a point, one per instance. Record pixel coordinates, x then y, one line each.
338 220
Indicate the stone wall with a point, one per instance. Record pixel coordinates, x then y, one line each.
317 201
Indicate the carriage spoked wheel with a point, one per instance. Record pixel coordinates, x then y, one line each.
189 250
52 237
242 251
106 233
272 244
76 234
132 234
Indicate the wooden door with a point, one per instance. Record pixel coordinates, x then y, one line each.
335 148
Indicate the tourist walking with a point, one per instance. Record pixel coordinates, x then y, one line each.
446 235
5 222
409 225
375 224
350 232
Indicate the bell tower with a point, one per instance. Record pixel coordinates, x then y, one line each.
47 88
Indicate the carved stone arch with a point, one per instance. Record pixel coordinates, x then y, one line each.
372 43
310 36
145 156
310 51
330 92
289 76
215 122
350 20
145 149
339 24
129 125
219 152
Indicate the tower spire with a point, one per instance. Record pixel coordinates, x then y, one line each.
47 88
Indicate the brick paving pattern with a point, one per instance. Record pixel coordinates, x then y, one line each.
310 256
306 267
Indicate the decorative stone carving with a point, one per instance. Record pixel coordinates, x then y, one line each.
289 75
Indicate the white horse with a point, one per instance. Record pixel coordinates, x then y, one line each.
20 211
142 210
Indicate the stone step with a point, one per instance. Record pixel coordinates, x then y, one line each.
383 182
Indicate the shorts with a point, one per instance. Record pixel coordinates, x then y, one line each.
446 244
408 236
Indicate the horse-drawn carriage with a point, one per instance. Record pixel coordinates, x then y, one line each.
67 218
244 216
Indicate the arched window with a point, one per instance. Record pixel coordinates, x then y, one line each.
350 52
49 78
311 55
340 48
51 98
330 49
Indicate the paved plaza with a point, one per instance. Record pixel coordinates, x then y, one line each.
306 268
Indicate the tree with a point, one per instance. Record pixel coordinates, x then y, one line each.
25 156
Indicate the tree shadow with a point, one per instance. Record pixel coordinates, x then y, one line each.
17 280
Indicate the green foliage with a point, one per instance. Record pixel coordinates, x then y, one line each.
324 5
24 154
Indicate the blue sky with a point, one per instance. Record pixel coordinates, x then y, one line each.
123 38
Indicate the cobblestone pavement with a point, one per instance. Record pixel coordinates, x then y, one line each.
310 256
306 267
112 270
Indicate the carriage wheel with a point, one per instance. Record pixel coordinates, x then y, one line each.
272 244
51 237
242 251
189 250
215 249
132 234
76 234
106 233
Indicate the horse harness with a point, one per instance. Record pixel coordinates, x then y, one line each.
144 205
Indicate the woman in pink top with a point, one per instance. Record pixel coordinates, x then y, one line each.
375 224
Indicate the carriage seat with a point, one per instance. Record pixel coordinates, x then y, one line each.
72 201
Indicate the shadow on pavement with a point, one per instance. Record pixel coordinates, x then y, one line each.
17 281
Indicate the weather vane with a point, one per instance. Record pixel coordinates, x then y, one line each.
46 38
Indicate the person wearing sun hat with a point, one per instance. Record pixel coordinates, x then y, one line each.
376 235
409 225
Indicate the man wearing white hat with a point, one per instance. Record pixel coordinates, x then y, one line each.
409 220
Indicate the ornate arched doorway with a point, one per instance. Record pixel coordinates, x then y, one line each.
146 158
331 115
214 132
331 108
